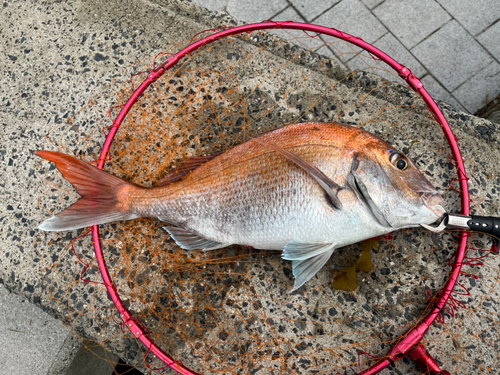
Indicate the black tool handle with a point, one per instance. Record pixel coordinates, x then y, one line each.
485 224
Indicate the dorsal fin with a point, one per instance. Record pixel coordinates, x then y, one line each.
186 166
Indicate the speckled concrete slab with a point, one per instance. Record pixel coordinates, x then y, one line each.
55 57
59 56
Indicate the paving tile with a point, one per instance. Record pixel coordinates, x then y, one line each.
490 39
372 3
310 9
391 46
438 92
474 15
452 55
411 20
352 17
296 36
481 89
255 10
215 5
300 38
289 14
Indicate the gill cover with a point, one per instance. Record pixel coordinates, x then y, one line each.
393 188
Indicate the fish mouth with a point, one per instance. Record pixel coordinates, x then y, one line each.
432 200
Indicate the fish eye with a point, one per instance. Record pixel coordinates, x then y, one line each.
402 164
398 160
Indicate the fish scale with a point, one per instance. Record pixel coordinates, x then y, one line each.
215 200
255 207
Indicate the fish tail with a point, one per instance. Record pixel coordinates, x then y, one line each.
104 196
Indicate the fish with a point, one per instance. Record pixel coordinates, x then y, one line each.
305 189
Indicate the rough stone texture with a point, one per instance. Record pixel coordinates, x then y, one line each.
55 58
411 21
55 70
451 46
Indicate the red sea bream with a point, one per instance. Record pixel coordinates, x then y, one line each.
305 189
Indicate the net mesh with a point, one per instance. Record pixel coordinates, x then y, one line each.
232 311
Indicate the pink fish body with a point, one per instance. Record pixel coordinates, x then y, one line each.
306 189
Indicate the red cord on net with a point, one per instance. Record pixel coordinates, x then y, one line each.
472 261
209 30
107 158
451 306
311 36
248 28
81 261
111 115
163 63
369 355
146 332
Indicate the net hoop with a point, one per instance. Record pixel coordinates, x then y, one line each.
411 338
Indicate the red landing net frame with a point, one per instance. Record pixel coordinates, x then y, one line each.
409 343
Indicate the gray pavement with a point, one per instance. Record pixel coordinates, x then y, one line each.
35 342
451 44
28 335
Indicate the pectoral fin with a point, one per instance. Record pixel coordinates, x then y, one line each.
305 269
297 250
331 188
191 241
307 259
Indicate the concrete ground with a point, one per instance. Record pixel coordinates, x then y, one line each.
451 44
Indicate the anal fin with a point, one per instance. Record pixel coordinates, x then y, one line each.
191 241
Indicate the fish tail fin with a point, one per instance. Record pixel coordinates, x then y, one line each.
103 195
